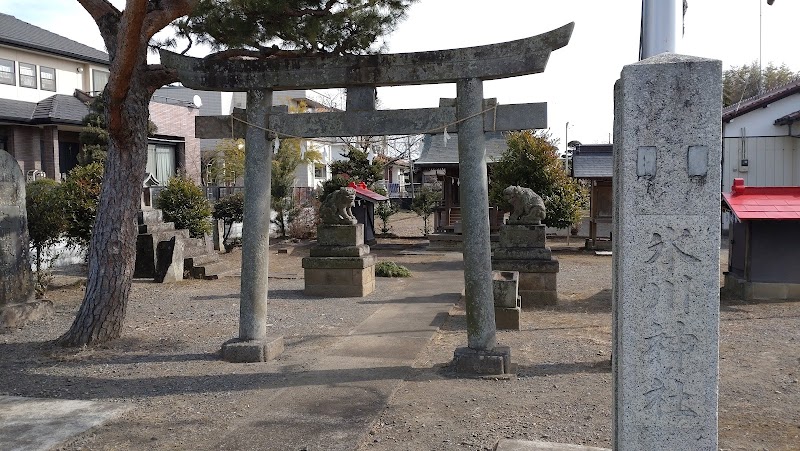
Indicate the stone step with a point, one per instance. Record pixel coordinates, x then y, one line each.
157 227
211 270
150 216
194 247
199 260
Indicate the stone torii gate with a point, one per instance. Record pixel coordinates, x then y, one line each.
470 115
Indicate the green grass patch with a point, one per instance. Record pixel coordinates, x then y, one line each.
391 269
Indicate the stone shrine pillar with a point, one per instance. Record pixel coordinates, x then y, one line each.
482 355
17 305
253 345
667 152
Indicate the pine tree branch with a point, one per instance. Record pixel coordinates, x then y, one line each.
98 9
157 76
169 11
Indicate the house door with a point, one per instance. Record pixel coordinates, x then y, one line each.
67 156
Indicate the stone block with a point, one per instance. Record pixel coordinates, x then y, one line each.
339 262
14 316
340 235
526 265
519 235
476 362
538 298
339 282
150 216
218 234
523 253
237 351
505 286
16 277
538 281
169 261
506 318
339 251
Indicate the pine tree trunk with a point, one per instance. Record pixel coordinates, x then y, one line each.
112 250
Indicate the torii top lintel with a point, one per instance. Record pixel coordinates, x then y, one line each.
508 59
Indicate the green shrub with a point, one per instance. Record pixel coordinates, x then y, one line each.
425 202
229 209
184 203
80 194
46 224
531 160
391 269
385 210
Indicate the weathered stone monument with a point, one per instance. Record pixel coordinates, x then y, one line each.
340 265
17 304
523 248
667 151
360 75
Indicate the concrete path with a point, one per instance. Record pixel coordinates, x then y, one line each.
28 424
325 413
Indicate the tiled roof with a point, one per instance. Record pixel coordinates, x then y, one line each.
592 161
760 101
788 119
16 110
61 109
763 202
434 152
16 33
56 109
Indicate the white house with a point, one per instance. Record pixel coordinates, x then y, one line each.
761 139
46 82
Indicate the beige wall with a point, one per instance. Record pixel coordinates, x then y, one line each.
67 76
178 120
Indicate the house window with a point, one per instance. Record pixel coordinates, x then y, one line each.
48 78
161 162
27 75
320 171
99 80
7 72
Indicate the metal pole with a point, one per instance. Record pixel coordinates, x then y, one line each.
662 26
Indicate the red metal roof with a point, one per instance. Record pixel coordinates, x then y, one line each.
763 202
364 192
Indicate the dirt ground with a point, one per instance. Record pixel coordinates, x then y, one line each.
166 365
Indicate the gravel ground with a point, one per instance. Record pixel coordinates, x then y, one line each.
166 364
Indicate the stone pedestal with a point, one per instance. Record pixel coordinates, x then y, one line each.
507 303
523 249
479 362
250 351
340 265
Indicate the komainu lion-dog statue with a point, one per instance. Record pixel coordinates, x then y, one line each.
527 207
337 208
